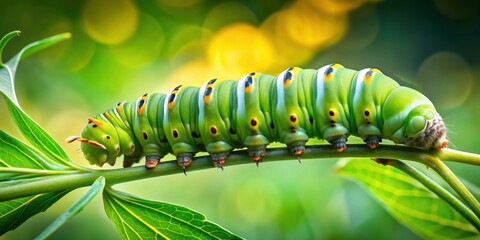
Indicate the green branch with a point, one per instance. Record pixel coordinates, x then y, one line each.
437 189
76 179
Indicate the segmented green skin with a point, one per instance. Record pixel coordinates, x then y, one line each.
329 103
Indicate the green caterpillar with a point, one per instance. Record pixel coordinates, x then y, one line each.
330 103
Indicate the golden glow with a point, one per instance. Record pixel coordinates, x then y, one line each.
110 21
333 6
141 108
239 48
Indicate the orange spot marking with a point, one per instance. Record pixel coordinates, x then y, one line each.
289 77
142 105
119 107
249 88
107 115
174 93
170 104
95 121
206 99
209 91
330 71
370 74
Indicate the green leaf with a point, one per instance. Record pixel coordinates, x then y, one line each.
78 206
137 218
16 154
4 42
29 128
408 201
7 71
37 136
14 212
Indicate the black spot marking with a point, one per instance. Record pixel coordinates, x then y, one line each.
332 122
171 98
213 130
331 113
272 125
329 71
293 129
248 82
367 113
118 148
177 87
108 136
293 118
146 94
118 104
369 73
132 147
212 81
94 125
141 102
145 135
288 76
208 91
175 133
232 131
253 122
195 134
310 119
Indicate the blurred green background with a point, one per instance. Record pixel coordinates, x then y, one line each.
121 49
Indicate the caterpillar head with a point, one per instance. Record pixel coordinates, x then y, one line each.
424 128
100 142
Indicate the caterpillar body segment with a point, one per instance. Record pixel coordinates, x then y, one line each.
330 103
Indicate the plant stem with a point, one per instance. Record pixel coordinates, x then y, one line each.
438 190
74 180
454 182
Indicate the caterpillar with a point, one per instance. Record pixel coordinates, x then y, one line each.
329 103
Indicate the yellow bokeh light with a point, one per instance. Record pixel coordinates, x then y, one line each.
240 48
310 28
288 52
110 21
193 73
298 33
447 79
334 6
